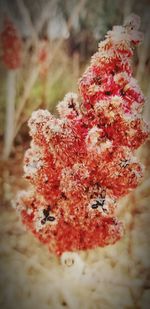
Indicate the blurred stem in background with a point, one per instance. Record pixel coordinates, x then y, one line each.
10 112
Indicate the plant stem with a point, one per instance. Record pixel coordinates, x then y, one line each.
10 112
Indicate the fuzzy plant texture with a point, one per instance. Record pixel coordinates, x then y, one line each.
80 164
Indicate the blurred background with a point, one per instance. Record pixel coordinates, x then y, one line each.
55 40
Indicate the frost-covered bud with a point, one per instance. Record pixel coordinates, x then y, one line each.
69 107
74 180
97 141
37 120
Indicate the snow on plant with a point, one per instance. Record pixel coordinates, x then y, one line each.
81 163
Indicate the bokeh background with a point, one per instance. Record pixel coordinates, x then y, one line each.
58 38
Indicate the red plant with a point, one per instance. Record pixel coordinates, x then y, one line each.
80 164
11 45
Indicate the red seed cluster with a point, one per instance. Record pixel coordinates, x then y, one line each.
11 45
81 163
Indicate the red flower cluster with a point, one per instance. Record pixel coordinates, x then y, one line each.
11 45
80 164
